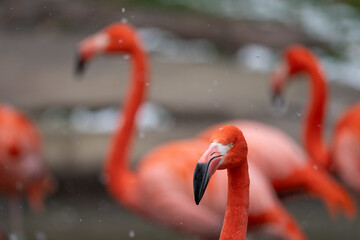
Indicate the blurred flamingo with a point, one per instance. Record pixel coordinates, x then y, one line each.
342 155
227 150
161 187
22 167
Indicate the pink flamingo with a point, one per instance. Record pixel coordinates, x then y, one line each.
342 155
227 150
22 167
161 189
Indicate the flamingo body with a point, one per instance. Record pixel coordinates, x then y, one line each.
346 147
22 167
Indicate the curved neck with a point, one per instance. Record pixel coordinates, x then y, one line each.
314 123
121 180
236 215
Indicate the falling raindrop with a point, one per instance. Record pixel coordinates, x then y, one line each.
147 84
124 20
131 233
126 57
123 10
298 114
315 166
80 220
120 41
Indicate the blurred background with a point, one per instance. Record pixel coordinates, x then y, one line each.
224 51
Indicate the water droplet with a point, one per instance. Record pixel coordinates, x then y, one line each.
298 114
147 84
315 166
181 223
209 90
131 233
215 82
124 20
126 57
120 41
123 10
44 6
99 220
80 220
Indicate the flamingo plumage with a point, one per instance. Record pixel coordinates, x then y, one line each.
227 150
342 154
23 170
160 189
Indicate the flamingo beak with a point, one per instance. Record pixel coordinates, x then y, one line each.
204 169
80 65
277 99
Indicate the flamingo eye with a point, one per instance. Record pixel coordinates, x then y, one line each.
231 144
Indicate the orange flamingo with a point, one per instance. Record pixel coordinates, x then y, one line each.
160 189
22 167
227 150
342 156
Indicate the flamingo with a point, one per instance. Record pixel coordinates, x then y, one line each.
342 154
227 150
160 189
22 166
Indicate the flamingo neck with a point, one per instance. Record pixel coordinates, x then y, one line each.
121 181
236 215
314 122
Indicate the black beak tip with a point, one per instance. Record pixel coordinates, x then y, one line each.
197 199
200 181
80 66
277 99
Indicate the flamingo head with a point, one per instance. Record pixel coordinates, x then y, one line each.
296 59
116 38
227 149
